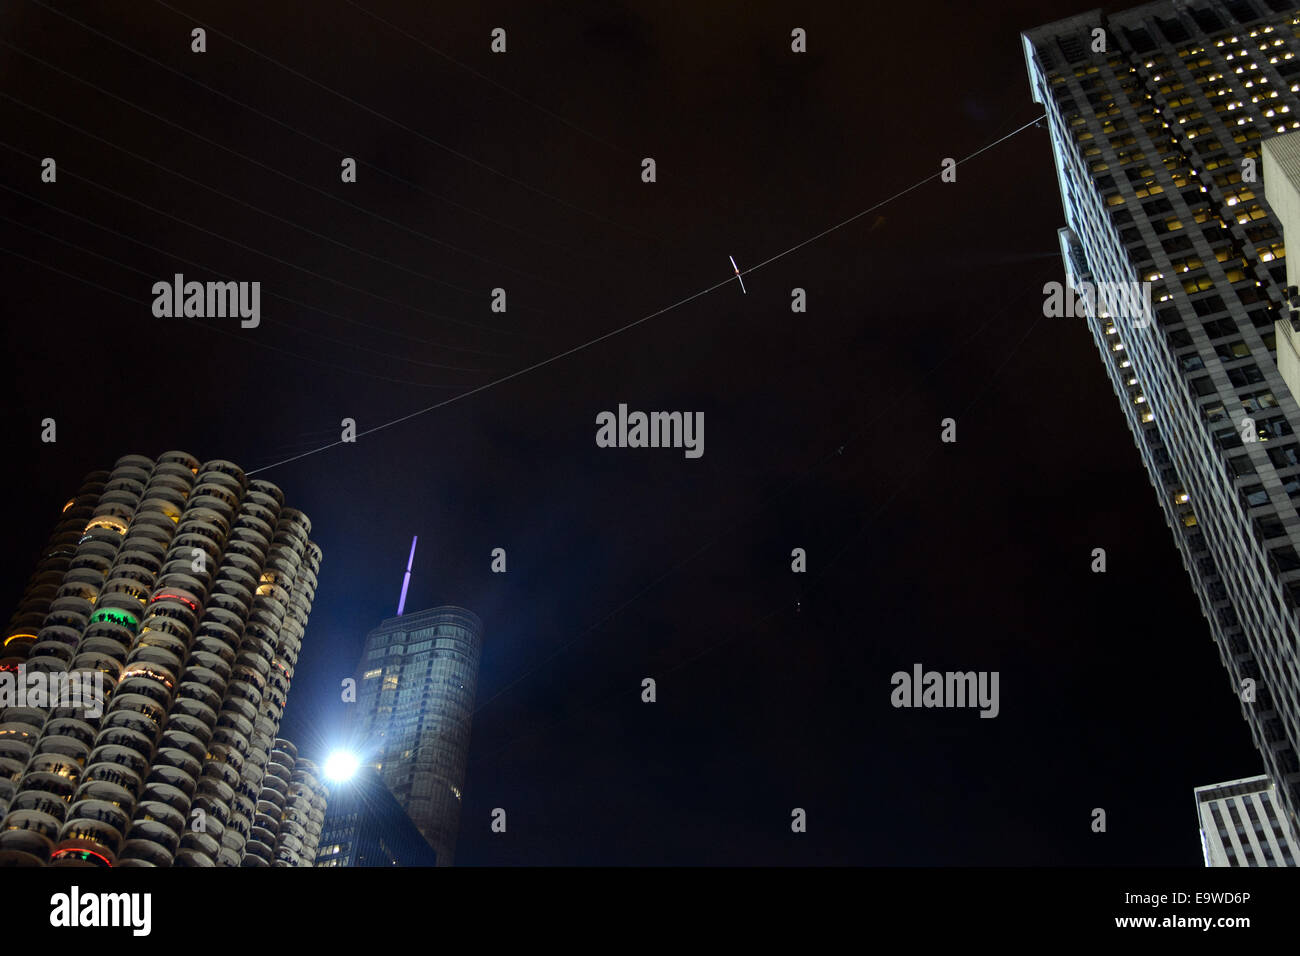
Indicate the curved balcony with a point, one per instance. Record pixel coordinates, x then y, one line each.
212 654
241 570
139 704
259 488
172 785
140 684
87 843
140 743
121 756
20 844
164 830
157 660
123 617
28 821
201 693
221 469
144 852
230 748
72 606
195 855
169 608
215 790
40 802
180 738
250 520
114 774
105 792
82 852
180 760
233 603
246 549
70 747
186 706
130 720
228 621
166 634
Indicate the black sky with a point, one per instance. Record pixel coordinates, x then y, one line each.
634 563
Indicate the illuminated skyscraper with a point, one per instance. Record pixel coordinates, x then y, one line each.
1156 117
188 588
1241 825
418 675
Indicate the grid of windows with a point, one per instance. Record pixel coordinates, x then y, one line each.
1241 826
1149 139
419 714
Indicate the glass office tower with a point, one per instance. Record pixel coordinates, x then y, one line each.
418 675
1156 117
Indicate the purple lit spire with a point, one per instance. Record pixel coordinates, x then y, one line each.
401 602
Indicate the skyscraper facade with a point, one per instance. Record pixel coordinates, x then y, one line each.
185 590
1241 825
417 680
1156 117
366 826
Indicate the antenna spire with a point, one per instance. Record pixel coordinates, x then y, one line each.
406 580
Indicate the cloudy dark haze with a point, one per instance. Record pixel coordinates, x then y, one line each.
524 172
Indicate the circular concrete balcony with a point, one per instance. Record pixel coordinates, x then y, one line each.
144 852
115 775
185 706
121 756
25 842
85 853
102 790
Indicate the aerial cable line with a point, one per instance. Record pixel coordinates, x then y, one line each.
646 318
290 127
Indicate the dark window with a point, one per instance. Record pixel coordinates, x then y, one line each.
1255 495
1208 305
1220 327
1245 375
1284 457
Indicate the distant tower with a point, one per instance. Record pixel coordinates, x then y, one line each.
418 676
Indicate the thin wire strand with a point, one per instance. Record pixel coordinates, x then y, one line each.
646 318
276 295
483 76
246 339
342 151
235 242
292 179
399 124
294 328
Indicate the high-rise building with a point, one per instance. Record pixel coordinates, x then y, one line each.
1241 825
417 679
183 588
290 811
1156 117
366 826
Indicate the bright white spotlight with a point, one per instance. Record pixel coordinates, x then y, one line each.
341 766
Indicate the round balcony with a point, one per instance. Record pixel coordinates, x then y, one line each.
145 852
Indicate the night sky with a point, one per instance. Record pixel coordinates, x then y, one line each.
523 171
